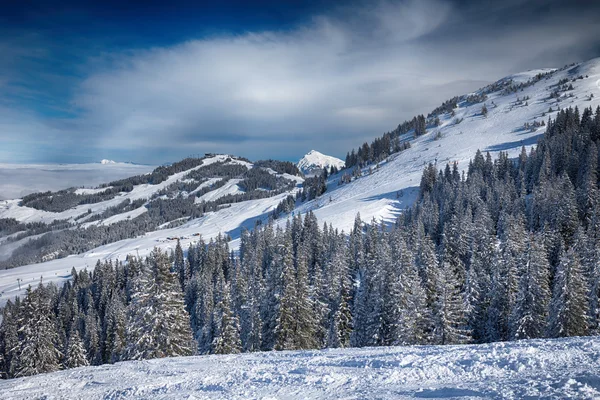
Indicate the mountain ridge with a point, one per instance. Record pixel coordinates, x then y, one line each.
378 191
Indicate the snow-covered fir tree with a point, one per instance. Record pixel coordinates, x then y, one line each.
76 355
158 323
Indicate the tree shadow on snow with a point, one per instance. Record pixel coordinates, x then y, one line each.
516 144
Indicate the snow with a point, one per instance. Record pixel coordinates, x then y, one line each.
227 220
18 180
380 195
92 191
231 187
553 369
107 162
120 217
376 195
314 161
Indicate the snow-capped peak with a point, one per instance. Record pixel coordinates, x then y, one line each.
107 162
315 160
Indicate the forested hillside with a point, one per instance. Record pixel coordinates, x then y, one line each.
127 208
508 250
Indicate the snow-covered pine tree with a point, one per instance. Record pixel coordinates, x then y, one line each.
569 305
92 335
9 337
179 265
115 329
392 323
227 339
415 318
368 302
308 309
504 282
37 352
270 303
477 285
251 323
157 293
530 313
285 330
76 355
340 327
450 319
594 295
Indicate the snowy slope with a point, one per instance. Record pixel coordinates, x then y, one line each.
380 194
314 161
550 369
228 220
393 186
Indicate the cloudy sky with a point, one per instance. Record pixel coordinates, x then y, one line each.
155 81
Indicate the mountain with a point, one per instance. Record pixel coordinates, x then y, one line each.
249 289
516 107
107 162
315 161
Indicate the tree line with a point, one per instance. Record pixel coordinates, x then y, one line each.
508 250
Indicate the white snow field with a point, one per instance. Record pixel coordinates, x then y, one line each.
532 369
18 180
380 195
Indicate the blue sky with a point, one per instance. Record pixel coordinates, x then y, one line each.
155 81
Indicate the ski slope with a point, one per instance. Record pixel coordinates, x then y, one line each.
380 194
377 195
549 369
229 220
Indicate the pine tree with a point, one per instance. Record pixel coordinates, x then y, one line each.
227 340
450 319
76 355
157 293
180 265
415 317
307 305
92 336
115 330
594 295
569 304
285 328
529 316
37 351
9 337
341 322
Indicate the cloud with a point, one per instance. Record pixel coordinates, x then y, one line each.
331 83
333 80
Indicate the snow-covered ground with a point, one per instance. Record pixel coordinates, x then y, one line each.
18 180
548 369
381 194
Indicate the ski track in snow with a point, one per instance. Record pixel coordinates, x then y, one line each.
381 195
549 369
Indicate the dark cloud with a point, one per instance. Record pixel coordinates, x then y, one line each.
331 82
